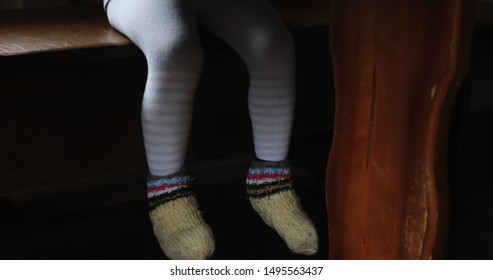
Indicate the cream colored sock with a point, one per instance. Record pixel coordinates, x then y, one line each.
271 195
177 222
181 231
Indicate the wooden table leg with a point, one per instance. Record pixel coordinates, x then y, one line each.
397 68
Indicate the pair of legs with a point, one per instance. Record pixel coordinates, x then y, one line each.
166 32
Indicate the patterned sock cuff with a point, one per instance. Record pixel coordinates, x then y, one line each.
162 189
266 178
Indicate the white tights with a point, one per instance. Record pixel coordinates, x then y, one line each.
166 32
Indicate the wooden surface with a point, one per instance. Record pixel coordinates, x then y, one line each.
397 67
50 30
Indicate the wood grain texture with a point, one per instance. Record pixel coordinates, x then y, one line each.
397 67
56 29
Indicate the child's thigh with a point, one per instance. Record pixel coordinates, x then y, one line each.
146 21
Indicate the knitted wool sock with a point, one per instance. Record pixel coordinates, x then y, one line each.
271 194
178 225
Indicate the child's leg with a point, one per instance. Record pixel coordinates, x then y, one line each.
254 29
165 31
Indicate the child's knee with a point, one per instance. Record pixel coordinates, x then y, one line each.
174 50
271 48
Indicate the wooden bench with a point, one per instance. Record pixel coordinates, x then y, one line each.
27 32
